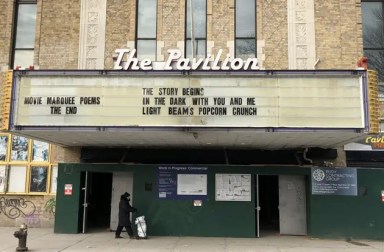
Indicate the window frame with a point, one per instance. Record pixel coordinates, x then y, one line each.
145 38
242 37
14 31
29 164
188 39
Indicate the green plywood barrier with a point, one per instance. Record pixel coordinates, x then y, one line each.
181 218
67 207
355 217
327 216
168 217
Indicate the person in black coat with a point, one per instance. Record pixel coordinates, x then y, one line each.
125 210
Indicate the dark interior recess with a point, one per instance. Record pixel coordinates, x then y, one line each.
269 204
201 156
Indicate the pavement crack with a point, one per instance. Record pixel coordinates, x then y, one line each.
356 243
79 241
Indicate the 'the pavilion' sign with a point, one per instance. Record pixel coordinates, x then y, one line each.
127 60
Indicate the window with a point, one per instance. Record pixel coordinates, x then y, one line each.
198 30
146 29
373 35
24 33
245 29
28 168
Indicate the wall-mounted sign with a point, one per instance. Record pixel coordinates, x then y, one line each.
334 181
369 143
285 101
376 141
233 187
182 182
126 60
68 189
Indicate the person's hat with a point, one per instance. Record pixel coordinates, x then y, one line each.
126 195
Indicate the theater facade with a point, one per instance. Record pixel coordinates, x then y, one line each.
219 118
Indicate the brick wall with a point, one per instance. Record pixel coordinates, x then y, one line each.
57 43
338 33
6 17
221 26
121 22
273 31
170 23
65 154
31 210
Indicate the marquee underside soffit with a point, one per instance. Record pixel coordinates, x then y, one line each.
194 138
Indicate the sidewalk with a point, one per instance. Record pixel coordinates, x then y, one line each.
43 239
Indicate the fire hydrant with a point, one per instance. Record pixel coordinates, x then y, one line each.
22 236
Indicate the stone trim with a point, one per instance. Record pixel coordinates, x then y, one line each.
301 34
92 34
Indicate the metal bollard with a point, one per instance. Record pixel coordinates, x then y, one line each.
22 236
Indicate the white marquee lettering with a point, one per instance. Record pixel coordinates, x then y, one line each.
127 60
173 55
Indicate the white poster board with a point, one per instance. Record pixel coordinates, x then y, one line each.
54 179
17 178
191 184
233 187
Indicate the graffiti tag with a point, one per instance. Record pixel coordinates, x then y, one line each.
14 208
32 220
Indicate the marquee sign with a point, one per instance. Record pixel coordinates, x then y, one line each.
94 99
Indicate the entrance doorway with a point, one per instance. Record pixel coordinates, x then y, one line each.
268 204
280 205
95 201
122 182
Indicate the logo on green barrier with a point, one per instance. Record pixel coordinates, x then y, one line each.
318 175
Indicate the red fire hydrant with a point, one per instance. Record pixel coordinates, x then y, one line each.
22 236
